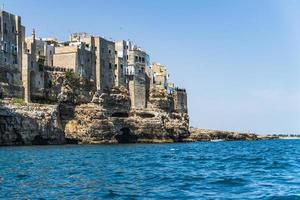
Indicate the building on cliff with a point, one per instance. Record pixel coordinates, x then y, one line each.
101 91
135 60
12 34
33 68
160 75
103 59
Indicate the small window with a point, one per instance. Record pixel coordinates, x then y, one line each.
12 29
121 66
140 59
5 28
143 59
5 46
136 59
109 51
127 57
50 52
109 65
116 66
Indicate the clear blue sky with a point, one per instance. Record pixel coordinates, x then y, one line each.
238 60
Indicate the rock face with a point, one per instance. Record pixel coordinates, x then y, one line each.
208 135
109 119
32 124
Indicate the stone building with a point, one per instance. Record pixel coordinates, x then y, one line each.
104 60
160 75
45 49
75 56
32 69
136 61
180 100
12 34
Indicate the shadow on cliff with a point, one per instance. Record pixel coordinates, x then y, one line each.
20 129
126 136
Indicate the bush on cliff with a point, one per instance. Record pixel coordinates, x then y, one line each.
73 78
18 102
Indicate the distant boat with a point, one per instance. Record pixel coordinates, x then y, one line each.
217 140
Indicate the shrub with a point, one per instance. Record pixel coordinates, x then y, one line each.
73 78
18 102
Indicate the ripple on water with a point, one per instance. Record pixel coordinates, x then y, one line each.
232 170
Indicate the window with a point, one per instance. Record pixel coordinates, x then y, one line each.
140 59
127 57
121 66
109 51
12 29
143 59
5 28
116 66
109 65
136 59
50 52
5 46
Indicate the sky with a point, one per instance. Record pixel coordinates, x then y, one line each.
239 60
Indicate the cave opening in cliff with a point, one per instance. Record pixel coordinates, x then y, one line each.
126 136
120 114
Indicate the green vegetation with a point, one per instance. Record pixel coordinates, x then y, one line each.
73 78
18 102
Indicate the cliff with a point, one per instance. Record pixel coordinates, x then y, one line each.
108 118
29 124
209 135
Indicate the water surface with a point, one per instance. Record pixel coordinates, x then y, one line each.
202 170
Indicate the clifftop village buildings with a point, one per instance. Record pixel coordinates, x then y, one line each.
25 65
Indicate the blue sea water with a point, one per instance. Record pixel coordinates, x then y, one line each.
202 170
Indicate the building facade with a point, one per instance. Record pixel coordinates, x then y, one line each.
12 34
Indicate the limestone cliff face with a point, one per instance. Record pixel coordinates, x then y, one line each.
32 124
208 135
109 119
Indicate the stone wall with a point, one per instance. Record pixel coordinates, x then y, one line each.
180 100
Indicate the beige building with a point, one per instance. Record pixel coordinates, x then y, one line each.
103 61
74 56
45 49
160 75
32 69
180 100
136 61
12 35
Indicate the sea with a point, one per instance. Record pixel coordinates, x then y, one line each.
200 170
